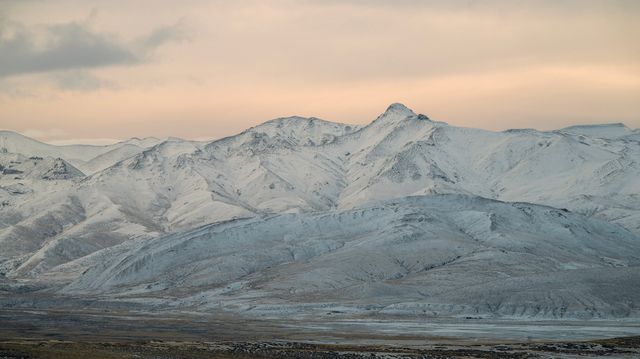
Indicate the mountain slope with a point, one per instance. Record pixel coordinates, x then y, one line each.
435 255
300 165
88 158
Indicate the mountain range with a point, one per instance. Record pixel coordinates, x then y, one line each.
403 216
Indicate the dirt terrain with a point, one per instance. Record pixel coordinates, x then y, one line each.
613 348
81 334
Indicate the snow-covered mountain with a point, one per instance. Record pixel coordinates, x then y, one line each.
69 210
87 158
441 254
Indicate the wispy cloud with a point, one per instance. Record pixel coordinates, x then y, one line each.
163 35
493 63
61 47
73 46
80 80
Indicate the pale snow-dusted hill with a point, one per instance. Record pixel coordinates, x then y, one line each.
53 229
435 255
88 158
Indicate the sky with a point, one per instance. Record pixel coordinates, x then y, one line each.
98 71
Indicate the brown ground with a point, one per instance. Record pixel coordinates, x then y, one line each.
51 334
52 349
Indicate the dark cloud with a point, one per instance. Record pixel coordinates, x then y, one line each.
65 47
71 46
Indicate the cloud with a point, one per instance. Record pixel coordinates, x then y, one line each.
66 46
163 35
79 80
493 5
72 46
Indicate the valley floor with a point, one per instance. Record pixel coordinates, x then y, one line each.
120 334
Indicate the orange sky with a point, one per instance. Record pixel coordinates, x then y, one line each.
92 71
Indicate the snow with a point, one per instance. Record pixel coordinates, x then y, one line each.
88 158
437 255
607 131
323 212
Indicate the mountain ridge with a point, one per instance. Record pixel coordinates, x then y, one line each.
52 231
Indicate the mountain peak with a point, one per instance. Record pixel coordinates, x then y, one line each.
399 108
396 113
